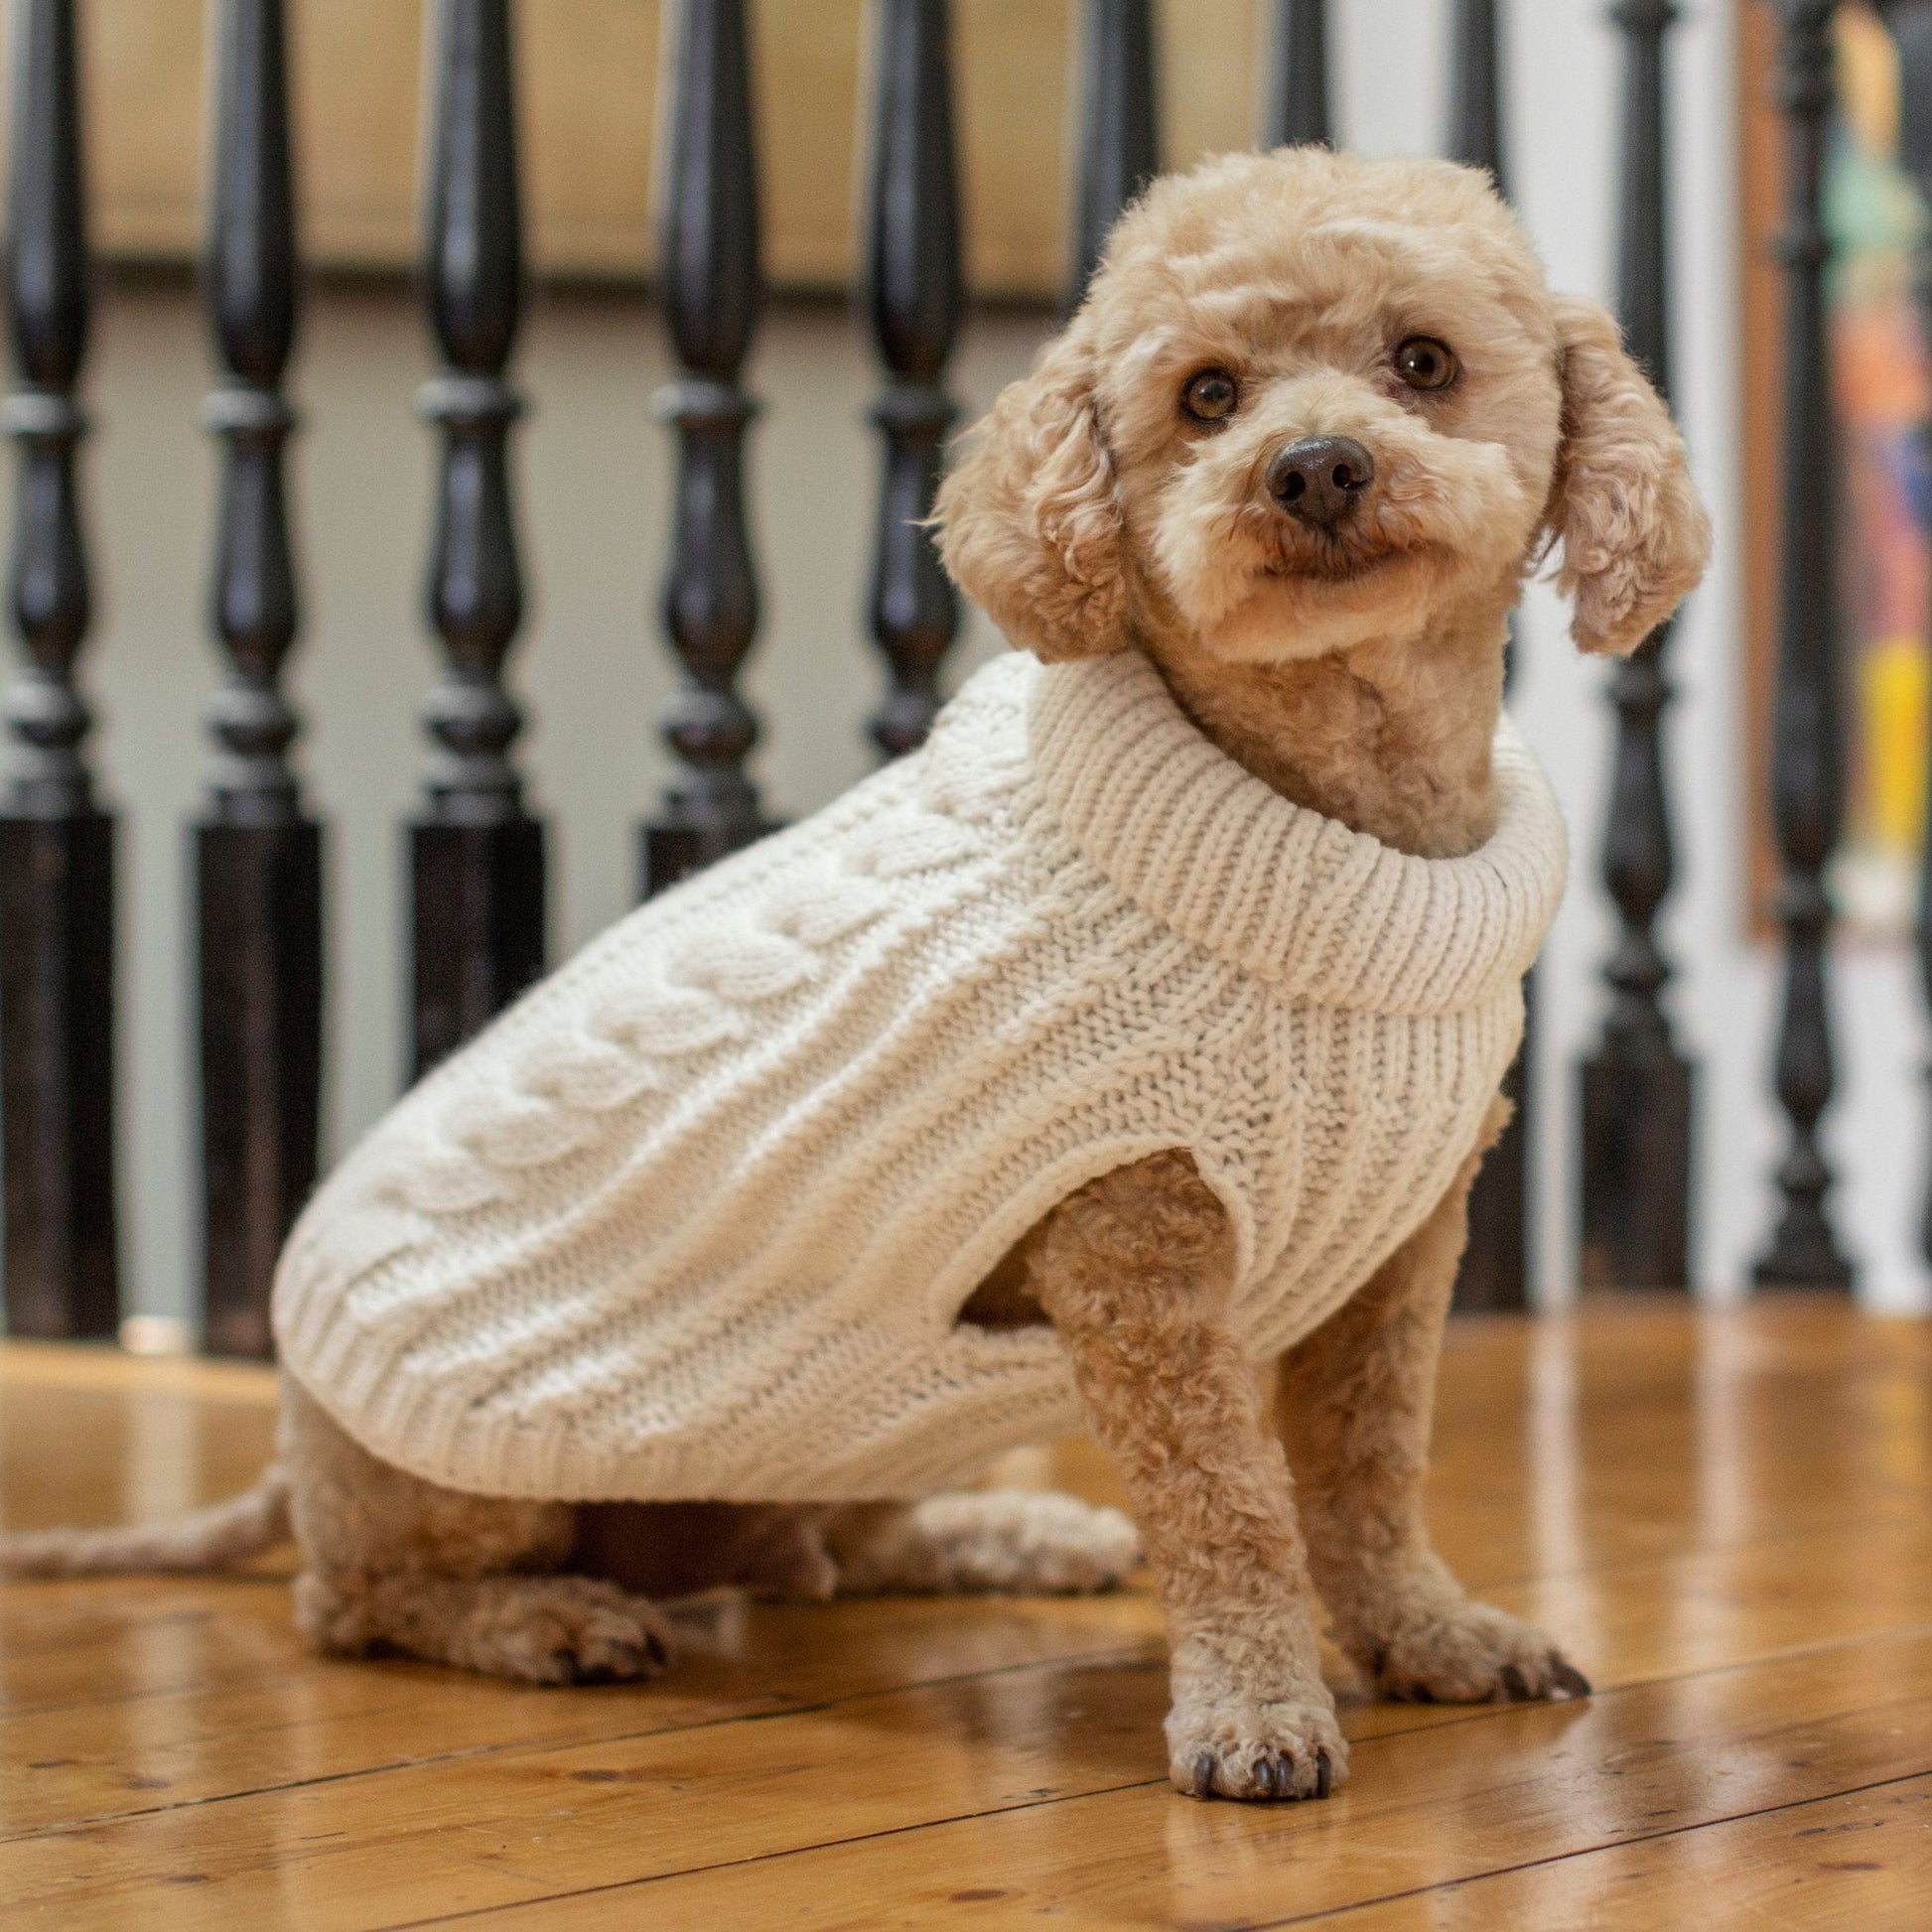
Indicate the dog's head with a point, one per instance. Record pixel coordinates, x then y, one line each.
1309 399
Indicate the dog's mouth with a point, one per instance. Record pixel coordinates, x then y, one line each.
1332 562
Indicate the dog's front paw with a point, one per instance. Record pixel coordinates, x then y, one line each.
1470 1653
1260 1751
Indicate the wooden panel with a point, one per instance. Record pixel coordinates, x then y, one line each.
1037 1772
1431 1808
588 78
1860 1861
242 1736
1725 1517
588 71
1032 1703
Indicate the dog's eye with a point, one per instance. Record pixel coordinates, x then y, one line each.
1210 396
1424 363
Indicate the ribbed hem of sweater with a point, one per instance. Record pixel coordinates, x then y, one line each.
1278 890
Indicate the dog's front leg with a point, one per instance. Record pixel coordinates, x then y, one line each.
1134 1271
1354 1403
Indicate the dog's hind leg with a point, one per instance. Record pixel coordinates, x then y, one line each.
393 1563
1012 1542
993 1542
1354 1403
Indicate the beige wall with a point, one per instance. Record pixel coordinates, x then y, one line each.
592 470
588 72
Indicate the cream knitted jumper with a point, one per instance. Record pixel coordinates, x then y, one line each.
695 1218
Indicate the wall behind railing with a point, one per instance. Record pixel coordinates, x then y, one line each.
594 473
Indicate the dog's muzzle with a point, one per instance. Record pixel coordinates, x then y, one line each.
1320 478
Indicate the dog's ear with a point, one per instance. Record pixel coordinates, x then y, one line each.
1634 535
1030 520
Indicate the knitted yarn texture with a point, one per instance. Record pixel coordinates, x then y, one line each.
695 1218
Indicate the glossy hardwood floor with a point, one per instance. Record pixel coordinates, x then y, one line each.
1728 1520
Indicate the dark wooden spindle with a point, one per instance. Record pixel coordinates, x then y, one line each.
1475 120
56 846
916 296
1295 108
1119 139
1495 1268
1911 26
1636 1089
709 262
259 853
1807 749
476 854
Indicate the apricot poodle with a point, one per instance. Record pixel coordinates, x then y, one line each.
1316 421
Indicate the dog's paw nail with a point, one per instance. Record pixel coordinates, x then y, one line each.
1515 1684
623 1663
1271 1752
1567 1682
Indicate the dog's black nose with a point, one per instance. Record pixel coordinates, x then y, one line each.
1320 478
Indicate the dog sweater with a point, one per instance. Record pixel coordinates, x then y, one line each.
696 1217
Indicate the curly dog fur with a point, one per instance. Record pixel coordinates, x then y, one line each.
1356 668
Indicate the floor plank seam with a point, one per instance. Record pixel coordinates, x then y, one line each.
768 1858
1441 1718
527 1746
1471 1714
1725 1517
1141 1784
1338 1912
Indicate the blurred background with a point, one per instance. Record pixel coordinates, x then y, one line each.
593 475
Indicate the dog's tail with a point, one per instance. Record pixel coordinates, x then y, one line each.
216 1538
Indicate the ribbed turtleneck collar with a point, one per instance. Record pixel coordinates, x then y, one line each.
1280 891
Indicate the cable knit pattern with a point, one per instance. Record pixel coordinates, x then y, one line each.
695 1218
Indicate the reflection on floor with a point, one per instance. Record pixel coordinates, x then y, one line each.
1727 1519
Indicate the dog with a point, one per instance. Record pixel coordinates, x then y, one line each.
1288 466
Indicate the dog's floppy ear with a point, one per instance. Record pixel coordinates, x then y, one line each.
1029 522
1634 535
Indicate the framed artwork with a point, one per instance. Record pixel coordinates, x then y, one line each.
1882 397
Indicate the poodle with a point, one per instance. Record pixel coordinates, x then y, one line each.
1315 420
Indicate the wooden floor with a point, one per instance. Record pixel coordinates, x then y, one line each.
1727 1520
